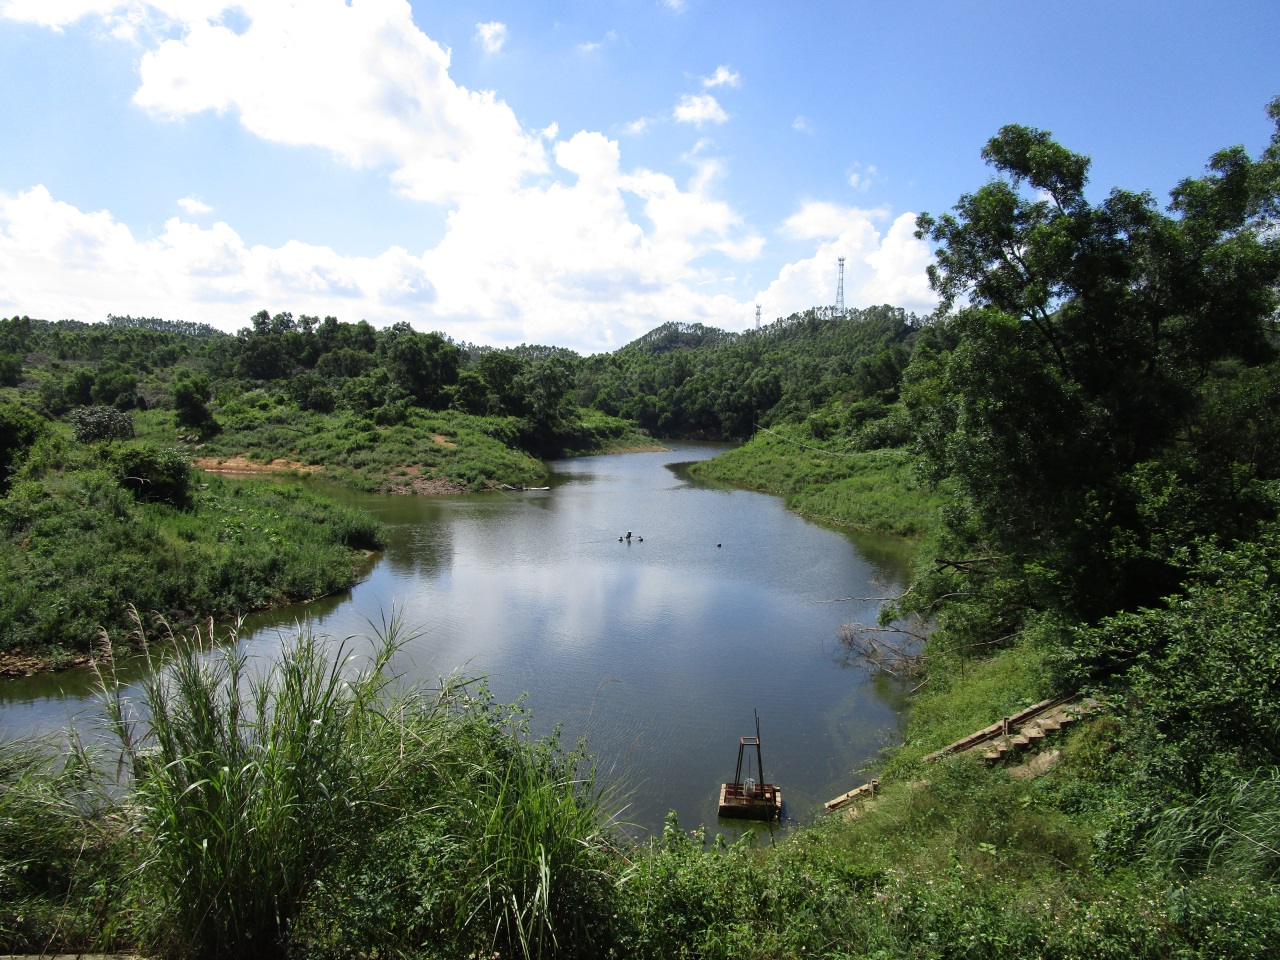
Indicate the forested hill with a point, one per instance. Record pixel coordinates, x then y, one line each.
211 381
675 335
688 379
680 379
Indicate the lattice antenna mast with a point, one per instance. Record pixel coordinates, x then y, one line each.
757 316
840 291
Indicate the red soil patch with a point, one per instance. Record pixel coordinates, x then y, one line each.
245 465
412 482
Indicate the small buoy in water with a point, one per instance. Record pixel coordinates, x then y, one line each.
619 539
641 539
717 546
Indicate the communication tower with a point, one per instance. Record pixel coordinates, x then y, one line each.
840 291
757 316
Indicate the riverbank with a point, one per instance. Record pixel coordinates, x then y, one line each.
954 857
516 854
112 545
1079 848
874 491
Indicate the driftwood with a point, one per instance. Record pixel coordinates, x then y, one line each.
964 566
894 651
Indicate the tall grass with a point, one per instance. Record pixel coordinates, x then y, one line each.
275 807
57 857
513 856
247 784
536 863
1232 832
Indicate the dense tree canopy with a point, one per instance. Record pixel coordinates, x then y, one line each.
1098 405
685 379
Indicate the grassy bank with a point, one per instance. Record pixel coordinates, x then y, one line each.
88 532
455 448
873 491
313 808
426 451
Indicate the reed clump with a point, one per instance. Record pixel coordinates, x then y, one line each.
59 858
321 806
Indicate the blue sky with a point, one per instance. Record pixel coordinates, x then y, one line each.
571 173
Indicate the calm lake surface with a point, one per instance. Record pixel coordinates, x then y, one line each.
656 651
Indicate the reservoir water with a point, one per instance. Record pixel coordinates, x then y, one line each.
657 650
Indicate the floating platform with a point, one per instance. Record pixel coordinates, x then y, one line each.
760 801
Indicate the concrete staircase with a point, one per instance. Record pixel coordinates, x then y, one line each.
1011 735
1030 732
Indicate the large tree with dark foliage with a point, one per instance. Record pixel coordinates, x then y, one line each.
1106 397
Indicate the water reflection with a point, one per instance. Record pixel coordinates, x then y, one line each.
657 651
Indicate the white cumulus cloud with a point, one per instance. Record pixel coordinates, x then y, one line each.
822 219
492 35
360 81
194 205
699 109
58 261
723 77
880 267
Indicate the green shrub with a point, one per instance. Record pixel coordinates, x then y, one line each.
10 369
154 474
19 430
98 423
191 392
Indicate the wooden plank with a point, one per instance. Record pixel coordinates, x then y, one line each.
854 794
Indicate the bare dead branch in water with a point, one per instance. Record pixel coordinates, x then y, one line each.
895 651
905 593
965 566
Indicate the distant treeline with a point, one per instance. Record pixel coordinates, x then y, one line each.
679 379
683 379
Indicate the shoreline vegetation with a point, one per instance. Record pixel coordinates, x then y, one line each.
874 491
1083 443
134 458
